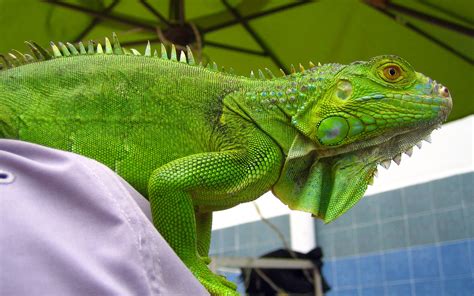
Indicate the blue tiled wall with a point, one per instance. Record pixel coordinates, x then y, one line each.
250 239
417 240
440 269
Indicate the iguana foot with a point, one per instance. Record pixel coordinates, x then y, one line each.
218 285
215 284
206 260
226 282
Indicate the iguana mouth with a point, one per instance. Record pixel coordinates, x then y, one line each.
404 142
393 149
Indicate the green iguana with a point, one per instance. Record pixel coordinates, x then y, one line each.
194 140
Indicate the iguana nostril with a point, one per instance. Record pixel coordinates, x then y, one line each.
442 91
445 91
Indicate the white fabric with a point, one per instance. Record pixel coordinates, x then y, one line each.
71 226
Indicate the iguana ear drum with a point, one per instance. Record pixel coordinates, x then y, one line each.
344 89
332 130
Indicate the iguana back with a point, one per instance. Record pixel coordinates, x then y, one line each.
132 113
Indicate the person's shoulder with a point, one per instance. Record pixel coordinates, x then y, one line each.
70 223
64 168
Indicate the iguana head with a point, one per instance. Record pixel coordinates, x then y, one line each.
365 114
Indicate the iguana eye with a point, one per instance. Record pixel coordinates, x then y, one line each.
392 72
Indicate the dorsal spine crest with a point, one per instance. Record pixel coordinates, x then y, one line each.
60 50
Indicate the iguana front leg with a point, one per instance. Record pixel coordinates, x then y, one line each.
203 233
209 180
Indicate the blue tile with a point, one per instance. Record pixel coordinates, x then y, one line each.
370 270
344 243
372 291
233 253
346 272
348 292
447 192
228 236
398 290
282 223
325 239
365 211
471 249
417 198
241 288
265 233
425 262
467 183
390 204
459 286
216 246
394 235
246 234
247 251
451 225
325 227
469 219
319 225
396 266
345 220
328 272
428 288
455 259
368 239
421 230
266 247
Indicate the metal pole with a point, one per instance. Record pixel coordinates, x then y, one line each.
318 287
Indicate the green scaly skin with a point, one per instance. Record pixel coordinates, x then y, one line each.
196 140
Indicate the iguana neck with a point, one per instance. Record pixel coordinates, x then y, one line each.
273 105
